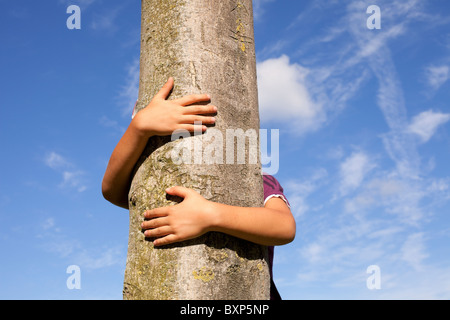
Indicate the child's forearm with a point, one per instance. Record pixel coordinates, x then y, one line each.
117 178
265 226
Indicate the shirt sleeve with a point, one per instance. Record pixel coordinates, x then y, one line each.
134 110
272 188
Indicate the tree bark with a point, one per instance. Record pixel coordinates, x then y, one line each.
207 46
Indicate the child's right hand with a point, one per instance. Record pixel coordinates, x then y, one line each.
161 117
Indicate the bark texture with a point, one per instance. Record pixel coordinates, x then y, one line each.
207 46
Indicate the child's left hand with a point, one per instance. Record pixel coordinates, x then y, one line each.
187 220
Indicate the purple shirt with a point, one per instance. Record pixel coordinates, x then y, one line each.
272 188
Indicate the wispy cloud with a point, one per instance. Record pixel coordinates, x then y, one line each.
374 49
414 250
92 259
56 161
299 191
129 91
425 124
258 8
49 223
436 76
72 177
380 208
106 21
51 238
353 171
113 124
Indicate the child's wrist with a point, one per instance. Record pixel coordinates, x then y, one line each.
215 214
139 129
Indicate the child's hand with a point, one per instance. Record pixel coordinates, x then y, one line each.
162 117
187 220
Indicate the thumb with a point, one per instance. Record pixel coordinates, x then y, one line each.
165 90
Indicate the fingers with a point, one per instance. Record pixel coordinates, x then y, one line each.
156 213
193 127
154 223
171 238
192 119
193 110
193 98
179 191
158 232
165 90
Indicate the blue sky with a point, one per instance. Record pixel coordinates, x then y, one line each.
364 122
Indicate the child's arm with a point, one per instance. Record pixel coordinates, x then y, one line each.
271 225
161 117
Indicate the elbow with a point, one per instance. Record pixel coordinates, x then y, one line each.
106 192
113 197
289 232
292 232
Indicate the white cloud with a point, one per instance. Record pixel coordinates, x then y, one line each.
109 123
55 160
375 43
284 96
314 252
98 260
71 177
48 224
426 123
439 185
106 22
374 49
60 246
258 8
437 76
129 92
298 192
57 242
414 250
384 222
389 194
353 170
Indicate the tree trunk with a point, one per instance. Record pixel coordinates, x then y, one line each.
207 46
